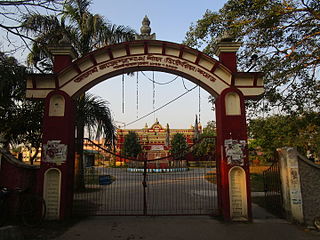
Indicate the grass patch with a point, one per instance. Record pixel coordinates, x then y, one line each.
256 180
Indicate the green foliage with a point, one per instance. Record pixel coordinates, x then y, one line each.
10 18
207 144
20 119
178 146
131 146
85 31
285 37
11 81
94 113
301 131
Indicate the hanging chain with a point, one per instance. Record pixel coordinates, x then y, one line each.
199 103
137 94
122 93
160 83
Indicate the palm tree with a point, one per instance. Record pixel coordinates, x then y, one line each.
92 31
93 114
86 32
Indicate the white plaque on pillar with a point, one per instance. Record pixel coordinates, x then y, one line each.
238 194
51 193
55 152
235 151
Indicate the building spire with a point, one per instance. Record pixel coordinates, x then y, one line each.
168 135
196 129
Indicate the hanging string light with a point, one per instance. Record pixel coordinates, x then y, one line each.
137 94
199 103
159 108
122 93
184 85
160 83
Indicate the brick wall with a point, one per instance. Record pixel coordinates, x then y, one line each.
310 189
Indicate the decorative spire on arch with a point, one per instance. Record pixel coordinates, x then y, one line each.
145 31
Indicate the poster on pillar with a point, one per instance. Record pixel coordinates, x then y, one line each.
55 152
235 151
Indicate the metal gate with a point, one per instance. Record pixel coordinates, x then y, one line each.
146 188
272 188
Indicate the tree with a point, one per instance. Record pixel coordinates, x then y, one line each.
131 146
280 38
206 145
94 113
20 119
178 146
285 131
11 13
86 32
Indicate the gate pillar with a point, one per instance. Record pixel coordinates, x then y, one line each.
233 183
57 158
234 197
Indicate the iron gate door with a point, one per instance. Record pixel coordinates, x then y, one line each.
272 188
181 191
148 188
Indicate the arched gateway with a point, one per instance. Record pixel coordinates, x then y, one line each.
220 78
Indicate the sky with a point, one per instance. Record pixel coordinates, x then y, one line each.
170 20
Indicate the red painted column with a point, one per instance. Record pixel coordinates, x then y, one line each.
232 127
58 132
226 51
60 62
63 54
231 130
229 59
56 175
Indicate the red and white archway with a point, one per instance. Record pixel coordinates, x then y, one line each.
76 77
220 78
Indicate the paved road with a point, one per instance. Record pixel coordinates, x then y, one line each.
183 228
166 193
177 191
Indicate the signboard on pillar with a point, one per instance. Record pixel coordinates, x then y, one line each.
294 185
54 152
235 151
51 193
238 194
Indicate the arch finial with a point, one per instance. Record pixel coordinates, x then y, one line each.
145 30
